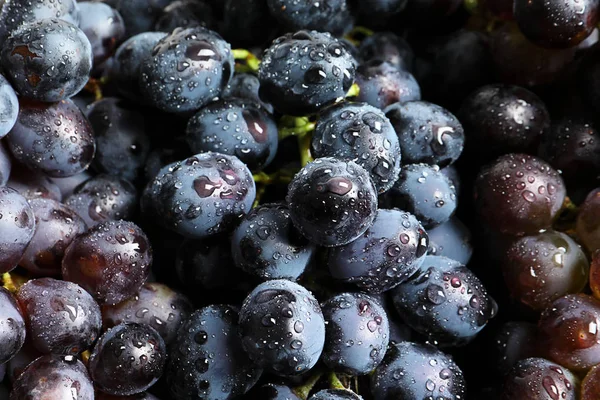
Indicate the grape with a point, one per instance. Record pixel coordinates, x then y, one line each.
21 360
539 269
417 371
160 157
357 333
236 127
185 14
267 245
590 386
61 317
54 138
518 194
103 27
12 327
451 239
359 132
138 396
103 198
282 328
429 11
335 394
568 334
445 302
332 202
66 186
245 86
111 261
536 378
139 15
201 62
515 341
121 142
588 222
33 184
17 226
425 192
207 360
49 60
378 13
56 226
334 16
54 377
388 47
5 164
300 83
428 133
246 23
389 252
382 84
9 107
272 391
127 359
201 196
156 305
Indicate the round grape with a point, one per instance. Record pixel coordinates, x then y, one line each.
12 327
17 226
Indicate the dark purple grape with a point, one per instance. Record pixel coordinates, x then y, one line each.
590 386
21 360
357 333
61 317
245 86
361 133
519 194
282 328
103 27
417 371
236 127
247 23
156 305
33 184
201 196
541 268
67 186
54 138
111 261
554 23
138 396
140 15
267 244
186 70
500 119
122 145
9 107
540 379
378 13
54 377
127 62
451 239
12 327
335 394
425 192
159 157
513 342
588 222
5 164
127 359
428 133
302 82
332 202
48 60
207 360
56 226
382 84
271 391
388 47
444 301
331 16
185 14
389 252
17 226
568 333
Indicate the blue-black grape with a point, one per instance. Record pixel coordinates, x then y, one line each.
103 27
444 301
335 394
428 133
122 145
389 252
17 226
56 226
267 244
54 377
66 186
247 23
282 327
5 164
9 108
540 379
451 239
383 84
330 16
302 82
245 86
140 15
48 60
111 261
54 138
12 326
388 47
417 371
378 13
362 133
127 359
207 360
201 196
271 391
103 198
238 127
61 317
186 70
332 202
33 184
357 333
185 14
425 192
513 342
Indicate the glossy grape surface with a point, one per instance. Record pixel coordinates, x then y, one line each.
17 226
540 379
12 326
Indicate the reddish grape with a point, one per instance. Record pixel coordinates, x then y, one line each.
17 225
539 379
588 222
590 387
111 261
595 275
12 327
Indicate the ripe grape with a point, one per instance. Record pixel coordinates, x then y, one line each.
12 327
17 226
536 378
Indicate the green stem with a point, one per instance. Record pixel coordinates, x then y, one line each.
304 390
250 63
354 90
260 191
471 5
304 143
335 382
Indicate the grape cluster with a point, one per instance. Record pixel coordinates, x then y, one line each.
299 200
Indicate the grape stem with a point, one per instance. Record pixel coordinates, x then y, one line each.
354 91
335 382
245 61
94 86
302 128
8 283
357 34
304 390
